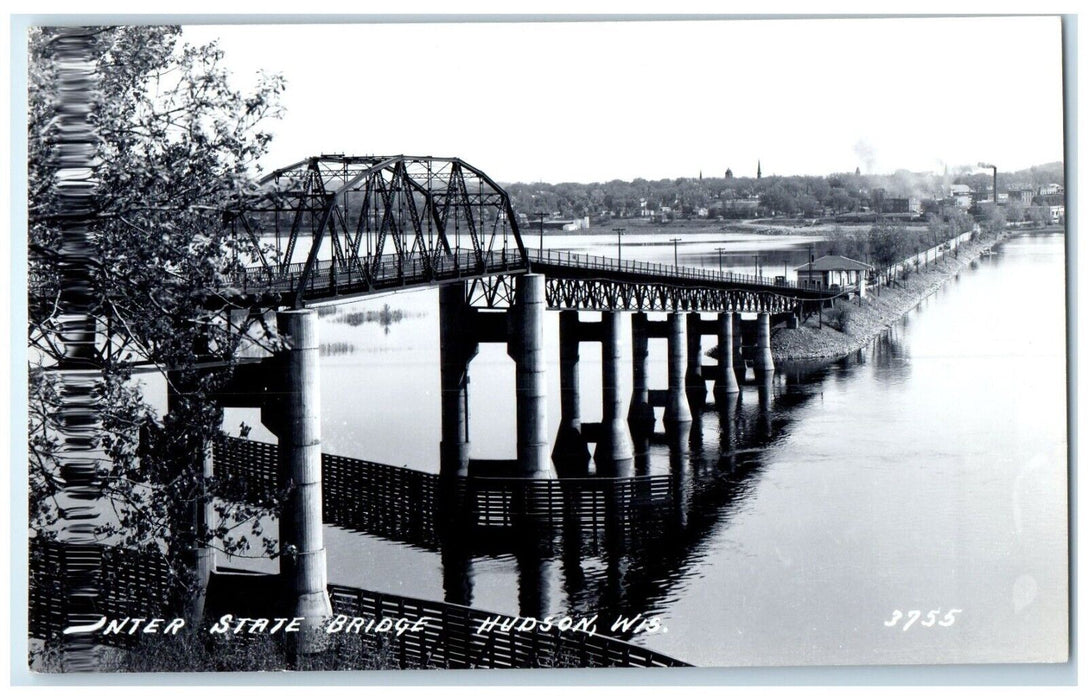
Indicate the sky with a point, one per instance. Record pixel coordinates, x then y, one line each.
596 101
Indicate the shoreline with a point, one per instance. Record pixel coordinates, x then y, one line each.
876 313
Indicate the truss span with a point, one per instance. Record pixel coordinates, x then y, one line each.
335 225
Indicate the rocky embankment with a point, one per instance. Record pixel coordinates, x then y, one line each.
875 313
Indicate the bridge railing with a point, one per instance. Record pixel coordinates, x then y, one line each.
388 270
607 264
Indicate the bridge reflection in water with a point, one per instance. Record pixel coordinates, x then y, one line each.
615 544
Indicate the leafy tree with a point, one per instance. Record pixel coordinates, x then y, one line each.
778 199
993 219
1040 216
175 146
850 243
889 244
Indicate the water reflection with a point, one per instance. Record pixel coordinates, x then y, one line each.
633 557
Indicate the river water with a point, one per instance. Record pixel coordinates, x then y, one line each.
926 472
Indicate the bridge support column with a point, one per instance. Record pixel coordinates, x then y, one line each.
615 451
641 415
739 367
764 361
725 383
571 453
695 384
677 411
457 347
526 346
301 540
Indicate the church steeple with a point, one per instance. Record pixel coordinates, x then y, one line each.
759 170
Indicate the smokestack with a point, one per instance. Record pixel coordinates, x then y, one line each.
987 165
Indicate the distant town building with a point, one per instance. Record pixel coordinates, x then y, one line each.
932 206
759 170
1055 203
902 205
1021 194
744 207
831 271
963 195
555 224
1052 188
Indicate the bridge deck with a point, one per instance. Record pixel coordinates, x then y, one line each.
566 265
327 281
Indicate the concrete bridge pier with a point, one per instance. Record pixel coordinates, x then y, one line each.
457 347
694 381
303 566
641 415
571 453
526 347
677 410
615 451
764 361
725 383
739 368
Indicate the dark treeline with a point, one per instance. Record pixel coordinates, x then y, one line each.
744 197
887 243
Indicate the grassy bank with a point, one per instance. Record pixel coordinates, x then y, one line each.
851 325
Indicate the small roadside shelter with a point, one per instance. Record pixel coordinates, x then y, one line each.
831 271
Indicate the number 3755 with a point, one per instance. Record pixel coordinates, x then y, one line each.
933 617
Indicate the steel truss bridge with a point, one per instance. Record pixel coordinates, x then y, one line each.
336 227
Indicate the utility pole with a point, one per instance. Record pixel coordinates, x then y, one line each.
720 251
541 215
811 255
675 255
619 244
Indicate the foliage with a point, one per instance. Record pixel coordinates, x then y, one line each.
838 317
888 244
994 219
1040 216
852 243
175 146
